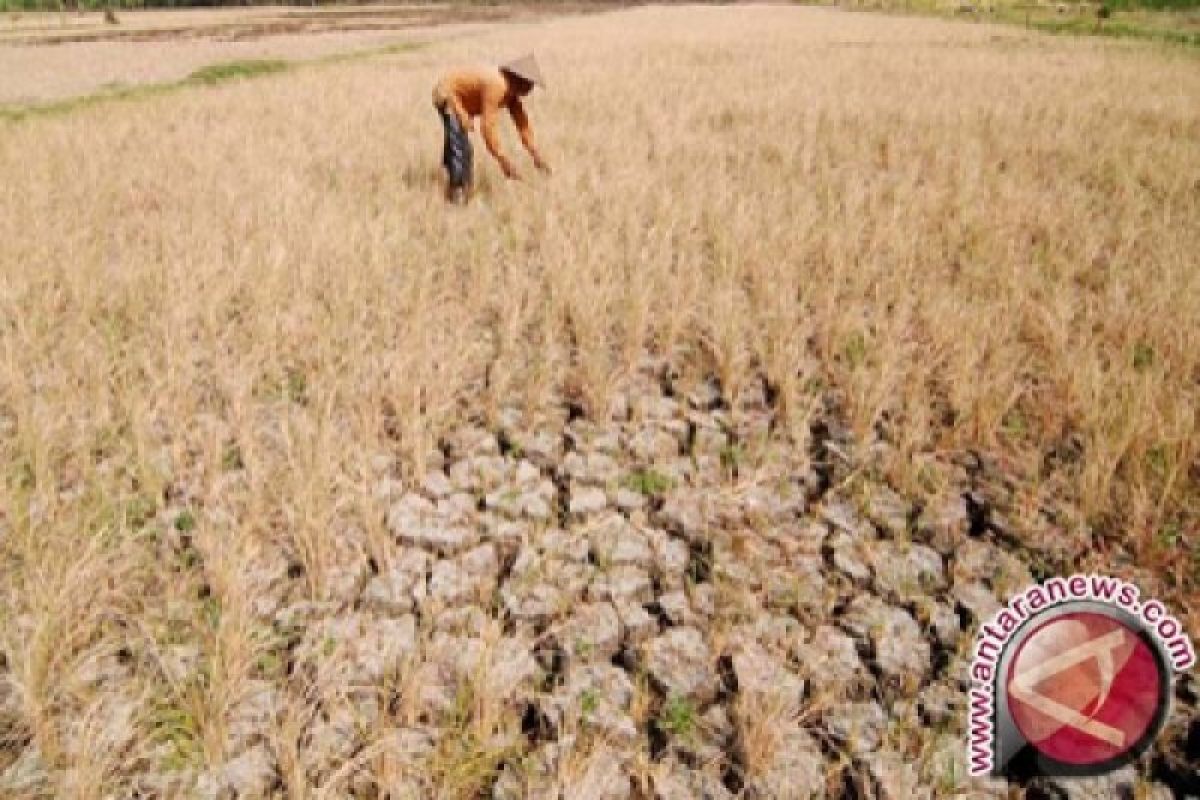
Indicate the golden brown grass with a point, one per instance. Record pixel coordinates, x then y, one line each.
975 237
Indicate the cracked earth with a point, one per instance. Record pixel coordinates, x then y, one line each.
674 602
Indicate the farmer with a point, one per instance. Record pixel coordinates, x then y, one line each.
464 94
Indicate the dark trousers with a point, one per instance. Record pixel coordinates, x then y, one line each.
456 153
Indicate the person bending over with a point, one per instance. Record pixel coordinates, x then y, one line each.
464 94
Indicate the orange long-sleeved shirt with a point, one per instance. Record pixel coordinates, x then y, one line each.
483 92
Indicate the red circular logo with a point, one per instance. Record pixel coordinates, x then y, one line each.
1084 688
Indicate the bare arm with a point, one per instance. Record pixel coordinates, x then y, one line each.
521 120
492 140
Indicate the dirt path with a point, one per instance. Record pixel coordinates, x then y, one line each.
50 57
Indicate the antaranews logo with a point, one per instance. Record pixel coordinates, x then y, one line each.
1072 677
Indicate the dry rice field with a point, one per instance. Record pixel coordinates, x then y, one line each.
309 484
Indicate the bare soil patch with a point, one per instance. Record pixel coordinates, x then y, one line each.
52 57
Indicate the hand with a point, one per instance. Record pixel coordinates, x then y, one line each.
544 167
511 173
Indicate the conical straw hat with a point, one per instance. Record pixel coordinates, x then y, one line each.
526 67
